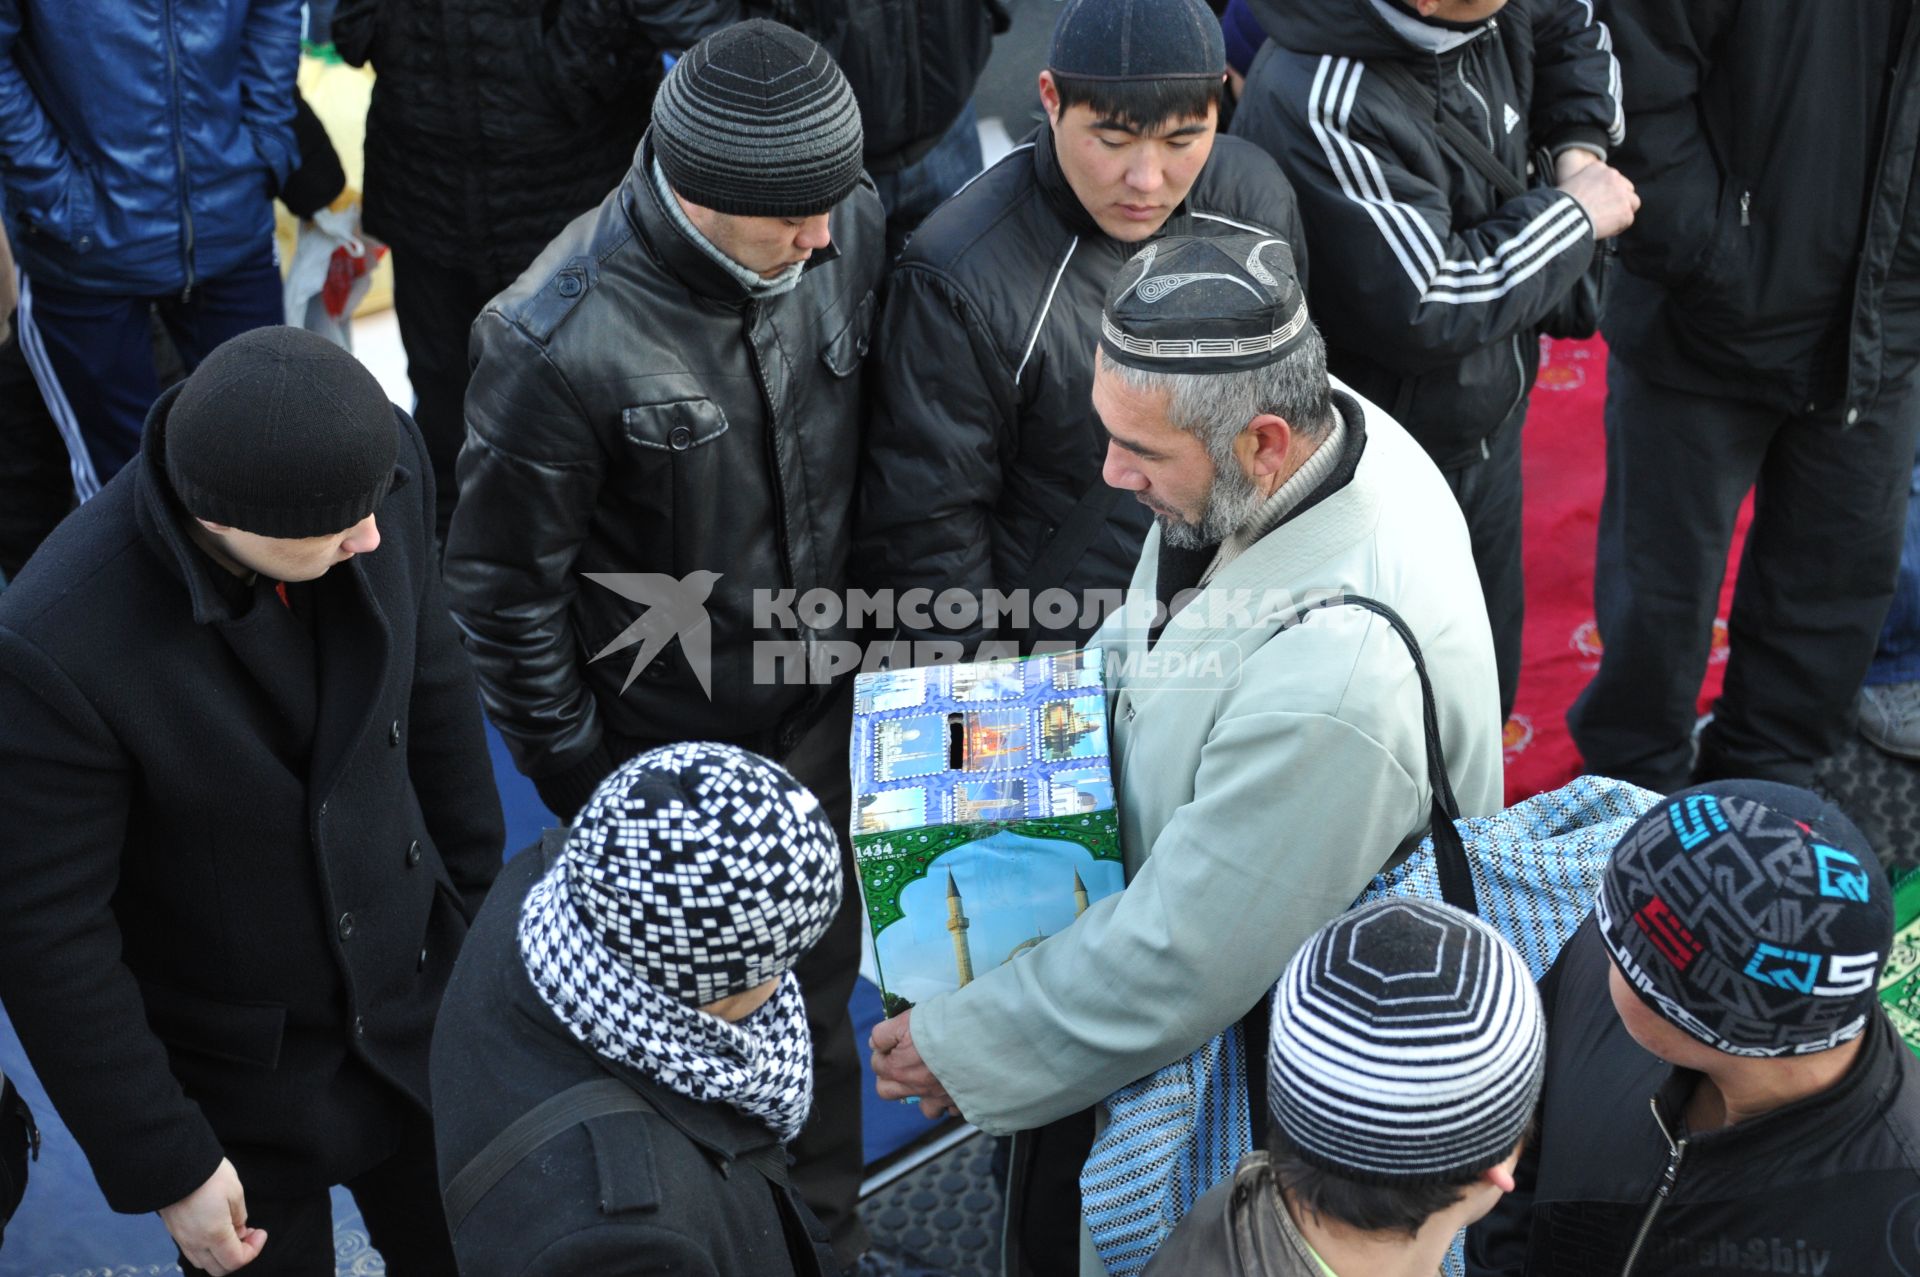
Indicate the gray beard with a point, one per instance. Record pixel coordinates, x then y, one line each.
1231 502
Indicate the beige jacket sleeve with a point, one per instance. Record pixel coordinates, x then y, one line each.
1293 814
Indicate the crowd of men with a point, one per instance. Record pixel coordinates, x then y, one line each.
683 341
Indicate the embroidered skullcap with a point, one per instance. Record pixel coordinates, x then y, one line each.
757 120
1753 915
1120 40
1185 304
700 868
1408 1045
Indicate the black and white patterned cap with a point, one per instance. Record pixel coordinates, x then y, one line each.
702 868
1408 1045
1753 915
1186 304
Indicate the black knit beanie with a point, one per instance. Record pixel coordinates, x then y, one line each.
1752 915
756 120
281 433
1138 40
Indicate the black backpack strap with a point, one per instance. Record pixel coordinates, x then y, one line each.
556 1114
1419 99
1071 539
1449 852
550 1117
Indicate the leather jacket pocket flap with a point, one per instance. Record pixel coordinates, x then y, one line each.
675 426
842 355
245 1033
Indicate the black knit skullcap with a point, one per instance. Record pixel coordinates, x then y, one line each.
1752 915
1185 304
281 433
756 120
1138 40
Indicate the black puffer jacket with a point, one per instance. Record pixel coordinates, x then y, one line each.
632 410
984 436
1776 255
622 1195
1828 1186
1438 288
496 122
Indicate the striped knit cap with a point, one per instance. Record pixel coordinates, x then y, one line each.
1408 1045
756 120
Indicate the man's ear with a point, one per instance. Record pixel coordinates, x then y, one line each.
1501 1174
1264 445
1050 96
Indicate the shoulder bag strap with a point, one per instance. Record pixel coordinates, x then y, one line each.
1071 539
1449 852
1457 136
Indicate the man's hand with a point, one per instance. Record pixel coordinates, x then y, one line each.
209 1225
1571 161
899 1071
1607 196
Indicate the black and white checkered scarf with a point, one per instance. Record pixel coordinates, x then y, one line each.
762 1065
696 872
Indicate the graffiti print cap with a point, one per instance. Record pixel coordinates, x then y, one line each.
1753 915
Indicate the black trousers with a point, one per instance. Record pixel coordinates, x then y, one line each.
436 306
399 1202
36 471
1489 493
1815 579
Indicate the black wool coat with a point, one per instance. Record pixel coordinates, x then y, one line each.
660 1193
238 854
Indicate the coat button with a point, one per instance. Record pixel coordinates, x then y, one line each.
413 854
569 285
681 439
346 925
1853 415
393 733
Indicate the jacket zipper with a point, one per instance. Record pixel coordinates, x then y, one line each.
1746 203
179 150
1519 367
1676 1149
1460 69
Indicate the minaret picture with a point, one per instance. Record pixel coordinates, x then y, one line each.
1079 895
957 924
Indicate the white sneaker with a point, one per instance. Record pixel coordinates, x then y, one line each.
1890 717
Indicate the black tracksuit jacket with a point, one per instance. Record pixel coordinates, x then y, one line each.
1434 289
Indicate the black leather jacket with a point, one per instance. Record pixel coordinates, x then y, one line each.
633 410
